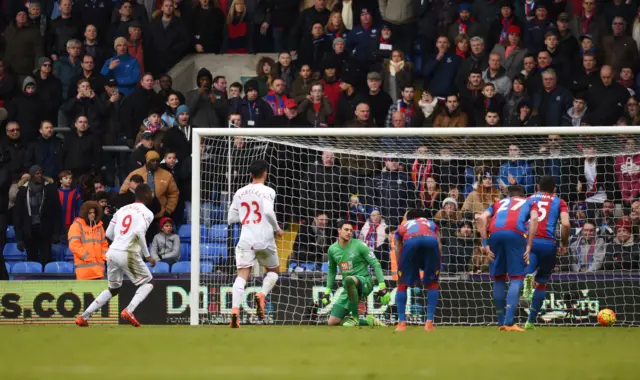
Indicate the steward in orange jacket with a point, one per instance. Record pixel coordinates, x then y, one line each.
88 243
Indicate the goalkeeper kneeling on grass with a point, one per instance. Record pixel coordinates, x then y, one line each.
354 259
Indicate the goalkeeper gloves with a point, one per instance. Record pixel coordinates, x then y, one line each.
325 297
383 294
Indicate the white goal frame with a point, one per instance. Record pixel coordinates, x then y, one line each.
199 133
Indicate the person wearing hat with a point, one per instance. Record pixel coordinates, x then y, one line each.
23 45
364 39
166 243
178 138
123 67
536 28
254 110
348 97
206 110
465 24
499 28
330 81
526 117
378 100
567 42
160 181
512 62
37 216
484 194
622 251
27 110
49 89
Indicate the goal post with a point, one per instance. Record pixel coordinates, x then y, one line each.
214 171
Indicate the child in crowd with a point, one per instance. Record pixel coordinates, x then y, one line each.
70 199
166 244
153 123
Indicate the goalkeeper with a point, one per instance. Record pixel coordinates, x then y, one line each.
354 259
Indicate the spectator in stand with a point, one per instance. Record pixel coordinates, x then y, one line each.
138 45
556 167
178 138
37 216
5 186
66 27
568 43
293 116
154 124
448 217
587 253
276 97
510 52
430 196
562 62
86 103
49 89
635 217
451 115
220 89
492 118
393 191
254 110
347 102
478 60
516 171
314 46
331 86
440 70
632 114
207 27
46 151
627 80
23 45
100 185
137 106
429 108
27 110
606 222
503 25
92 48
169 116
587 75
362 117
627 169
181 175
316 109
553 101
404 105
377 99
317 14
488 100
88 243
323 188
161 182
129 197
170 40
265 73
107 209
529 71
606 98
459 249
313 241
235 92
364 40
589 22
401 16
335 28
302 85
574 115
166 244
537 28
622 253
83 149
596 179
8 88
137 158
620 50
123 67
374 235
70 199
204 106
285 71
471 96
465 24
397 74
96 80
97 13
279 14
36 18
120 28
483 195
511 111
238 32
113 102
16 148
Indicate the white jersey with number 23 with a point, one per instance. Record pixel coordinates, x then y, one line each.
253 208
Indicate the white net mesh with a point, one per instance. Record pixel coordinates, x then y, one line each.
371 181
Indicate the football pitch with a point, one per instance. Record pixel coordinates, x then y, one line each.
316 352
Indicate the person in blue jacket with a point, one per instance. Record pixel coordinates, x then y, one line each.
516 172
364 40
441 69
123 67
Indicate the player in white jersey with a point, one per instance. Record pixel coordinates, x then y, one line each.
127 232
253 208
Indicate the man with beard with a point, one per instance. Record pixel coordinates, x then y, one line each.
471 94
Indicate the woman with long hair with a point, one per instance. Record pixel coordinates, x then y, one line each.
397 72
265 74
239 30
511 52
430 196
335 27
462 46
510 112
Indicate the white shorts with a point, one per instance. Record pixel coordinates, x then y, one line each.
247 258
120 263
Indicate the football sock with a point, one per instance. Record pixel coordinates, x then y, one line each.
142 293
499 298
351 288
536 303
102 299
238 292
432 302
401 303
362 322
353 308
513 295
269 282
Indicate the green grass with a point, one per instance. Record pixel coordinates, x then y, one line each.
268 352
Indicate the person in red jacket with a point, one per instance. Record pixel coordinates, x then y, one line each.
331 85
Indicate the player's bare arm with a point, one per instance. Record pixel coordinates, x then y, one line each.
533 227
483 222
565 232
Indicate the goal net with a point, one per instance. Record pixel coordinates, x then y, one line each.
371 177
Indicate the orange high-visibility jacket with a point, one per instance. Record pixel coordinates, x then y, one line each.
89 246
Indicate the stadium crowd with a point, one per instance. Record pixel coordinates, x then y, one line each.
100 67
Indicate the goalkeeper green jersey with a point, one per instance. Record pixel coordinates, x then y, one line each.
353 260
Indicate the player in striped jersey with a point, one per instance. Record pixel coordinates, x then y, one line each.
508 249
543 252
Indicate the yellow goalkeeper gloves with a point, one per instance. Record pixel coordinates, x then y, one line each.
383 294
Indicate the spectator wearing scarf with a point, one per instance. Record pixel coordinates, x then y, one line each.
465 24
588 251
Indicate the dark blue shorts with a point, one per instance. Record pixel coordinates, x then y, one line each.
542 258
508 248
419 253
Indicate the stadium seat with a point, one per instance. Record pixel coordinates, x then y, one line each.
57 251
11 234
218 233
160 267
27 267
181 267
206 267
185 233
213 252
218 214
59 267
292 266
68 256
8 266
325 267
11 253
185 251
